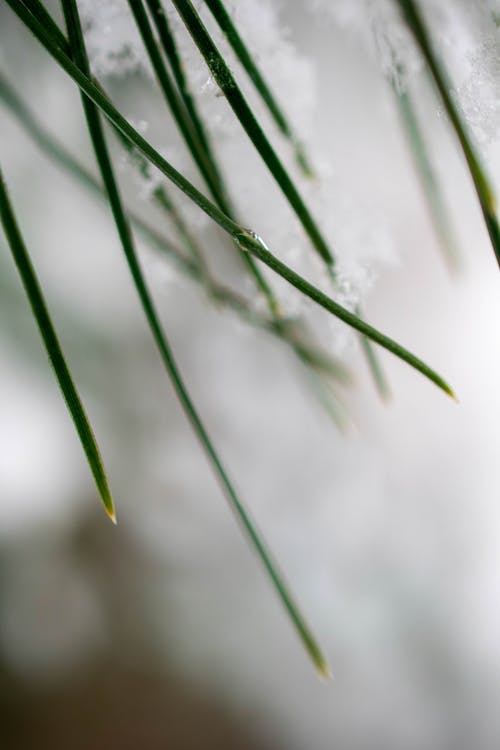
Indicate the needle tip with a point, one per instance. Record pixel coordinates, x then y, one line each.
324 669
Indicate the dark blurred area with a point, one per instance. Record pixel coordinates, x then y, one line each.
121 696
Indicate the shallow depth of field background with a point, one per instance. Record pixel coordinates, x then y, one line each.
164 632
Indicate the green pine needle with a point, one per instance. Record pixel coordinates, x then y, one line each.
241 51
484 189
204 160
255 245
240 234
321 368
92 115
243 112
53 348
374 367
169 46
285 330
174 102
438 210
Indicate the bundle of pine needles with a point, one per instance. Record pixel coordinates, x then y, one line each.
68 50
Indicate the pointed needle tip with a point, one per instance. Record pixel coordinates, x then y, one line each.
449 392
112 516
324 670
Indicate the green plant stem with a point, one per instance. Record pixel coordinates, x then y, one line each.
429 181
95 129
53 348
236 100
246 238
484 189
241 51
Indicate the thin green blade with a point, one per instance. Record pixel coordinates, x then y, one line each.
53 348
241 51
170 49
433 194
484 188
375 368
243 112
255 245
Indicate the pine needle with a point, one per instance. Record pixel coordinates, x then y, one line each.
229 87
203 159
95 130
53 348
246 238
285 330
256 246
482 184
430 184
226 82
241 51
